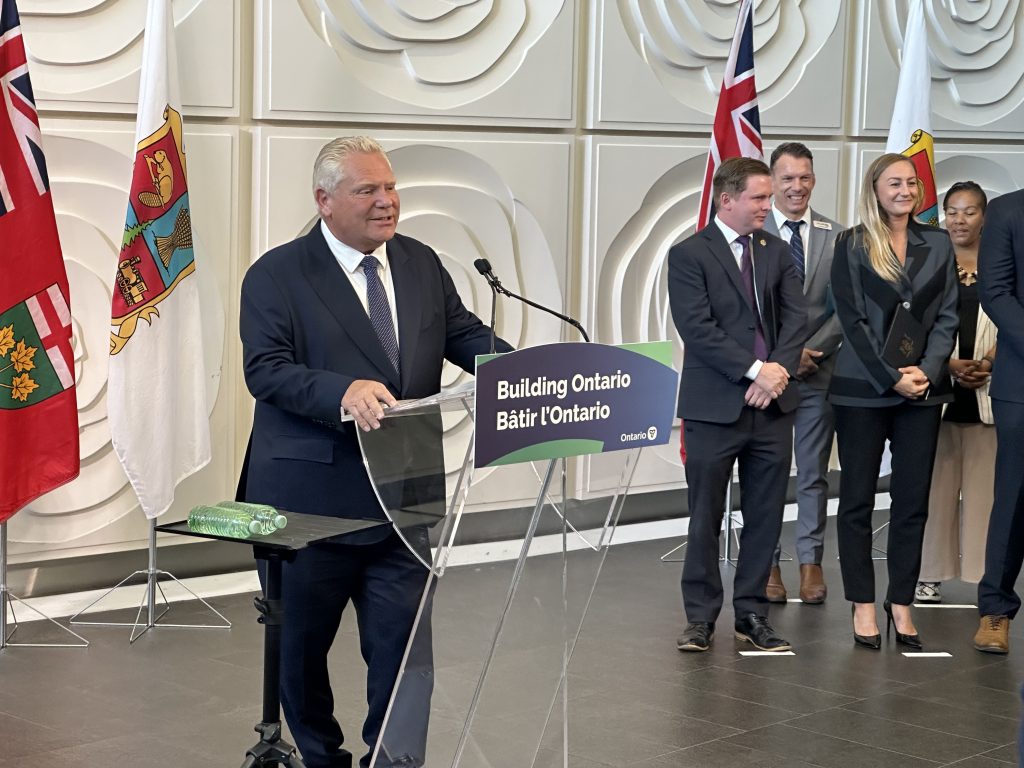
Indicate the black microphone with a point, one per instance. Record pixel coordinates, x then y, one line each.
483 266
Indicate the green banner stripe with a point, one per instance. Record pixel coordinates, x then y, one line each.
42 374
656 350
481 359
554 449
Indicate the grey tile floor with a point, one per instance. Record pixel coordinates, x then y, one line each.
190 697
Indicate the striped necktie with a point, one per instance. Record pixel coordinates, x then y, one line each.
796 248
380 310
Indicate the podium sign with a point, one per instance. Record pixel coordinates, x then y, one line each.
573 399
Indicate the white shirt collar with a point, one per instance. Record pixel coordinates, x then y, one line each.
730 233
781 218
348 257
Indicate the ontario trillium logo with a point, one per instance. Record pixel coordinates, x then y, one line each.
19 357
652 433
40 324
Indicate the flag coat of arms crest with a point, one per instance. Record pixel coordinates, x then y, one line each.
156 394
156 249
38 408
910 132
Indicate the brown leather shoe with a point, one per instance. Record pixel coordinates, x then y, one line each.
776 590
812 584
993 635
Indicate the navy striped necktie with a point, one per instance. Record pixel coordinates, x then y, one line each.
796 248
380 310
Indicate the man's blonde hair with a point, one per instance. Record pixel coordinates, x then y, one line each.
328 170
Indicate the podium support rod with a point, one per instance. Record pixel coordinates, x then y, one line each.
566 649
517 575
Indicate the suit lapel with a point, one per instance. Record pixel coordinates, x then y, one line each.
760 258
762 264
334 289
723 252
917 255
816 247
409 298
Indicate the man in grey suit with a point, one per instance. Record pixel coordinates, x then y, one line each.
792 166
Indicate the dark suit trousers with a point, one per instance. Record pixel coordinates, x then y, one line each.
1004 550
812 447
762 442
385 583
913 432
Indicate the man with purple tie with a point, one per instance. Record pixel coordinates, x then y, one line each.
738 306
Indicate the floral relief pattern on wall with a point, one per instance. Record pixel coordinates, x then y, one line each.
438 54
686 43
977 78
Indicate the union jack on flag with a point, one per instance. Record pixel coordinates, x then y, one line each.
22 166
737 130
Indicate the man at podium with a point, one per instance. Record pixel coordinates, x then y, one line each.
350 316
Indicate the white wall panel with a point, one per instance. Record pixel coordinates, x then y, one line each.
474 61
89 166
85 55
659 64
499 197
642 198
977 65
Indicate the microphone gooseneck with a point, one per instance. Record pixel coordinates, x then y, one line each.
483 266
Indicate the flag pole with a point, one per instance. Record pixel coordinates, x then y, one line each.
8 600
153 591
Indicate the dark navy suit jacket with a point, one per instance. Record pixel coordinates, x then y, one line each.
306 338
1001 287
715 319
866 303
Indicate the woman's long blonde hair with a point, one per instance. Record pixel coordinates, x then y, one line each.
876 235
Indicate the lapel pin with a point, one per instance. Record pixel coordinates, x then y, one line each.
763 242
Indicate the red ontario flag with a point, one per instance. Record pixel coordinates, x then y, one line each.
38 410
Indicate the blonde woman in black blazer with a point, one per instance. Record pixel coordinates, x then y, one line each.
887 260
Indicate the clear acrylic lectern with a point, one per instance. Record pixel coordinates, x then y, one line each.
484 682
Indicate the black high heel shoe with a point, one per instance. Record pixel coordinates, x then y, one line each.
874 642
911 641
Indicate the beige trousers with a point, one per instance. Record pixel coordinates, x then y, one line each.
960 503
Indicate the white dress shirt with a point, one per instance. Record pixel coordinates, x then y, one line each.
787 234
737 251
349 259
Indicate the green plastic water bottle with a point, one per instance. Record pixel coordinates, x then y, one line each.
264 513
224 522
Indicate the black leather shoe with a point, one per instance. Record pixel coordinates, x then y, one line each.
758 632
911 641
696 637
